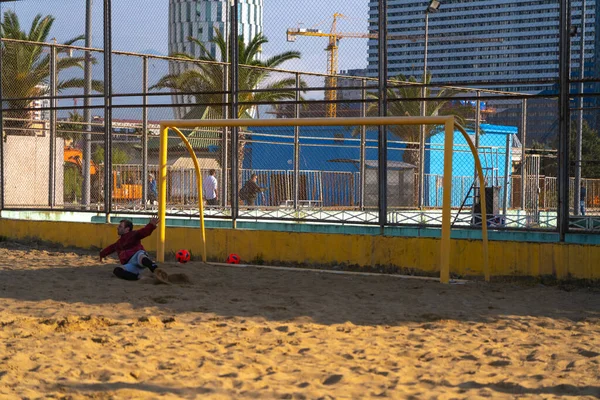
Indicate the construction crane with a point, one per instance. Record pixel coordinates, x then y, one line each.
332 56
332 52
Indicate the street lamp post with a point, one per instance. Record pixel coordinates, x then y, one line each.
431 8
578 142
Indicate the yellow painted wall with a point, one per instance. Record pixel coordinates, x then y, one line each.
506 258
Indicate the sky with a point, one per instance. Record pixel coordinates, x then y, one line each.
142 26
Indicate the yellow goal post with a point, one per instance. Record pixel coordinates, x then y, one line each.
449 126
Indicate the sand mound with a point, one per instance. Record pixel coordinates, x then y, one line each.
179 278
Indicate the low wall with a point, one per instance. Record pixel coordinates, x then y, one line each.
516 258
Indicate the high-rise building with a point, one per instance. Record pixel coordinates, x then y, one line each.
526 46
200 19
346 83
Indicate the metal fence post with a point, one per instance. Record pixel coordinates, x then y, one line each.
145 130
363 144
297 144
52 136
477 119
87 112
107 109
523 153
1 134
564 55
382 148
477 131
423 111
225 139
506 168
234 89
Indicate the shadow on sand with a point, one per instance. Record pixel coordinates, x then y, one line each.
284 295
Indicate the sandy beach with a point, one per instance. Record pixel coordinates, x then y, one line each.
71 330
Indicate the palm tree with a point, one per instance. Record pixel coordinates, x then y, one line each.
412 108
26 69
206 80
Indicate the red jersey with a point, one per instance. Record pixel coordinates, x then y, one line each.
129 244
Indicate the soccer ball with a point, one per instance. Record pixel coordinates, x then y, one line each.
183 256
233 259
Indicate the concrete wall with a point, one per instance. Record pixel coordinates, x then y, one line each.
26 163
515 258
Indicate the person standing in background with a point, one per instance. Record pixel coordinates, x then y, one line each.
209 189
582 194
152 190
250 190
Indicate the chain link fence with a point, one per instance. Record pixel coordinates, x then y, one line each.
80 129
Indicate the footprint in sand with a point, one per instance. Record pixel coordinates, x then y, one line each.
570 366
499 363
333 379
532 356
162 299
101 340
152 321
587 353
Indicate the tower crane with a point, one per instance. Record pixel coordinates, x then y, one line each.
332 55
332 51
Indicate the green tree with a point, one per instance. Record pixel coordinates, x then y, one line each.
590 153
72 183
118 156
398 106
26 68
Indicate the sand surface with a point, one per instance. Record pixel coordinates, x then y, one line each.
68 329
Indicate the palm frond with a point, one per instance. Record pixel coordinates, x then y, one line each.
73 40
75 83
254 47
279 59
182 55
219 41
204 52
69 62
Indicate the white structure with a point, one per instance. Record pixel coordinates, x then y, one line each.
26 171
42 106
528 49
44 113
